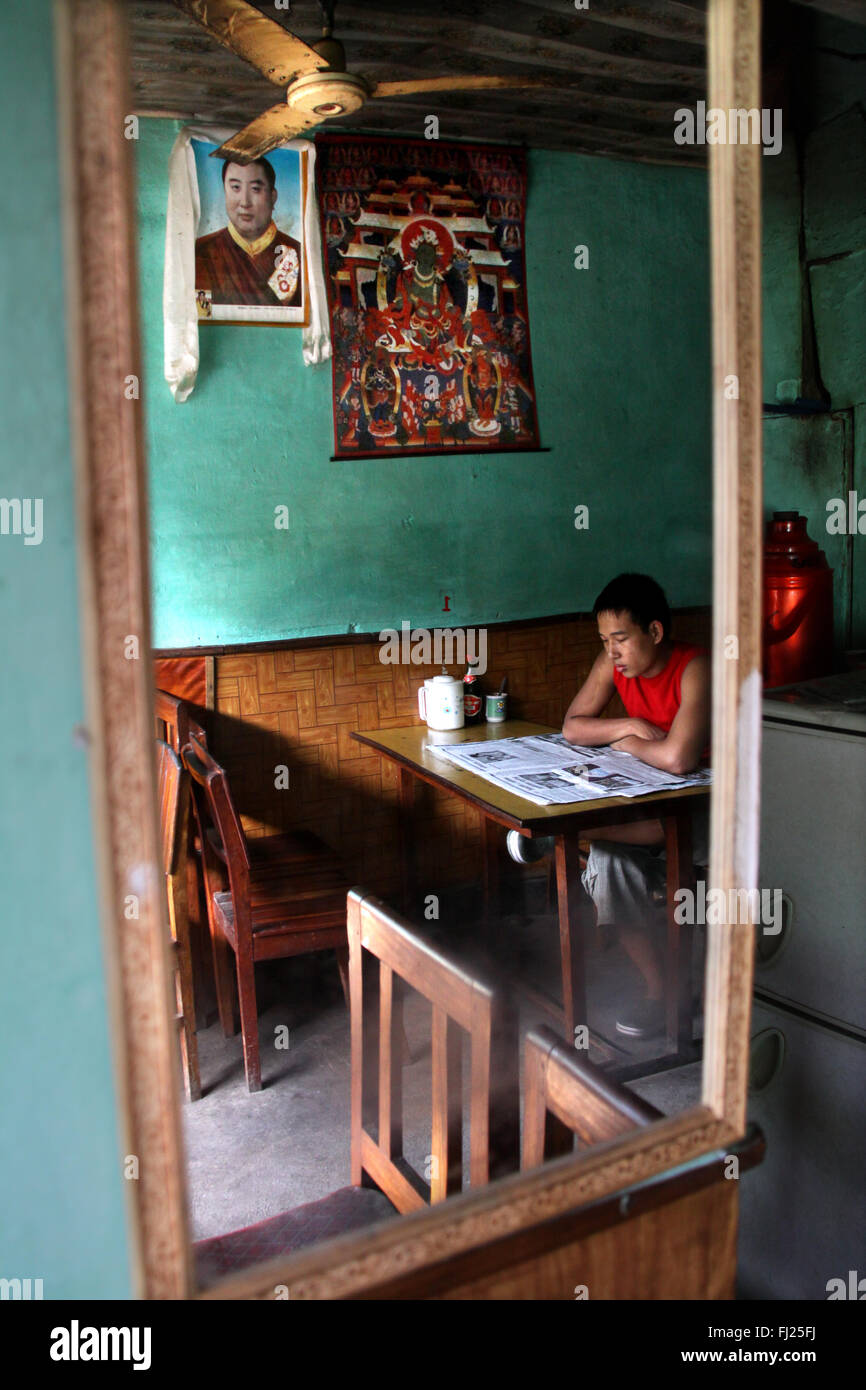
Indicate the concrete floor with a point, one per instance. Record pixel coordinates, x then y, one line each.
251 1156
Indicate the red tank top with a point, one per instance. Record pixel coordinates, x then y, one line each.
657 698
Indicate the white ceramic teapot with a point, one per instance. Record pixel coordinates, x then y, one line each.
440 702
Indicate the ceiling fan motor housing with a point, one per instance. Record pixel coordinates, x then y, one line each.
332 51
327 93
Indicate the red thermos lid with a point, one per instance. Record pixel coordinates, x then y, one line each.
788 547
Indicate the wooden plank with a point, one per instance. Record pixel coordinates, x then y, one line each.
852 10
390 1064
735 222
480 1055
545 1135
447 1091
663 18
534 1103
392 1178
667 1254
513 38
595 1115
110 488
569 895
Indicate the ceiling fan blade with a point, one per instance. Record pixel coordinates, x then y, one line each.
277 54
273 127
460 84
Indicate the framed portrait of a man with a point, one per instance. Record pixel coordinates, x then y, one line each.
250 261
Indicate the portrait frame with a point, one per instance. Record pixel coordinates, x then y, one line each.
291 169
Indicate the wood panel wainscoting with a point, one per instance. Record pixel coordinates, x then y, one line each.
297 704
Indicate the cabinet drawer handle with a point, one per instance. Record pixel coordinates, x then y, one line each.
766 1058
769 945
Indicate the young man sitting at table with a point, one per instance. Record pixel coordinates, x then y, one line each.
665 688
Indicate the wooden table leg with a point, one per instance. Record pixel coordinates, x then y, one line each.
491 835
678 952
407 838
571 944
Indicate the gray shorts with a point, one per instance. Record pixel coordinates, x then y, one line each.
624 880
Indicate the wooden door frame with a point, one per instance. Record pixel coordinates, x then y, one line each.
93 79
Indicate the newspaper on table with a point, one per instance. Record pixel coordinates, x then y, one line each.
547 769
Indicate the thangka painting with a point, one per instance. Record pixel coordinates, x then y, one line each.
424 243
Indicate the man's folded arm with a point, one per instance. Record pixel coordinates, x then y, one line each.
680 751
582 723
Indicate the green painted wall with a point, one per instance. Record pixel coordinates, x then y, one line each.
61 1210
621 360
809 461
783 276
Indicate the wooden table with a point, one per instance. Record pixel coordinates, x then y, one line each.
408 748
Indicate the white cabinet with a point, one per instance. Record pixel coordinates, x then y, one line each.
803 1210
813 848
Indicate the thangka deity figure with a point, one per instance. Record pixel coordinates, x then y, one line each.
482 386
512 384
417 318
349 396
381 388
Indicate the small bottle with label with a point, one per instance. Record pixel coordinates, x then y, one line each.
473 696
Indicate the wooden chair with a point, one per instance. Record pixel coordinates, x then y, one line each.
459 1001
175 725
282 895
173 798
566 1095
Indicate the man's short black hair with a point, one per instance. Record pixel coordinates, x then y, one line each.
639 596
263 163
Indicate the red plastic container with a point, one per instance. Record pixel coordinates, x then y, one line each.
798 604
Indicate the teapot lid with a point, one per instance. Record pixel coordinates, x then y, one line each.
444 678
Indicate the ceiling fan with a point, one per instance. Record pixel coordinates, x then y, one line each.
318 87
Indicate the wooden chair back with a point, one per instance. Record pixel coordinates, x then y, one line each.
169 780
459 1001
224 844
567 1095
175 724
173 793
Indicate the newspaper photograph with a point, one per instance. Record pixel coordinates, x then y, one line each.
548 770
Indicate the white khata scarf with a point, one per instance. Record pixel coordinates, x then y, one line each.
178 298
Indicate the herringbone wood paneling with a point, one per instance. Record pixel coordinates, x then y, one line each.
297 708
